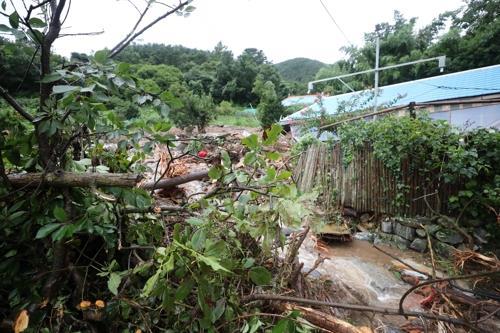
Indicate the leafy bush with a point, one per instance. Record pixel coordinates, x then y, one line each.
196 110
225 108
470 160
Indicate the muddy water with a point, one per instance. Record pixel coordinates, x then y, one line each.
362 270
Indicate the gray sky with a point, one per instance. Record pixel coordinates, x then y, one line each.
283 29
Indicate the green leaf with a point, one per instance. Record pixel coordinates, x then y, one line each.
283 175
195 221
216 172
4 5
250 158
63 89
11 253
170 264
260 276
52 77
88 88
47 230
198 239
220 307
273 134
37 23
213 263
14 20
101 56
17 214
216 249
251 141
59 214
273 156
150 284
114 282
248 263
123 68
184 289
4 28
226 160
189 9
282 326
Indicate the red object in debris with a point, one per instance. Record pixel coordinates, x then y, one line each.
202 154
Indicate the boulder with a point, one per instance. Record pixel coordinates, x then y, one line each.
404 231
400 242
449 236
421 233
386 226
443 250
432 229
423 220
419 244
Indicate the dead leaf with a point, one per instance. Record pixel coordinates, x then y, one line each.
21 322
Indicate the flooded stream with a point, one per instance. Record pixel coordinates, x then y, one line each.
362 270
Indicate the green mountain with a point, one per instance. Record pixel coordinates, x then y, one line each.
299 69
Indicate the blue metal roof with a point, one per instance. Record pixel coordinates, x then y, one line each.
470 83
299 100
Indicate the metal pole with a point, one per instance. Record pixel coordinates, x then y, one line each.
377 56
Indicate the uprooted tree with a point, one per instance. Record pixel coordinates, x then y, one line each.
84 247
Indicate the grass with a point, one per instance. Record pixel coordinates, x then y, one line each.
233 120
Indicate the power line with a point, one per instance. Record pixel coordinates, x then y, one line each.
335 22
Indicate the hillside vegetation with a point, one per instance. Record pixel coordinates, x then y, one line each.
300 70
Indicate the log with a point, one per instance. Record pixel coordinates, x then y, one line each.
320 319
171 182
90 179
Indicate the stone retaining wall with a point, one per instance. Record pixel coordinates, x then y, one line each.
410 233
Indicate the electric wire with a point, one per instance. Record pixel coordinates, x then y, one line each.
335 22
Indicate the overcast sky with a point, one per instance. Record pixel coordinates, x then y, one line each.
283 29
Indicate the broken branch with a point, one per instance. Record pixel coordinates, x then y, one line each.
15 105
74 179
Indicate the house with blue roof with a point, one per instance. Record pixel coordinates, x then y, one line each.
467 99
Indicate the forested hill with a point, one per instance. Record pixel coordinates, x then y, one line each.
299 69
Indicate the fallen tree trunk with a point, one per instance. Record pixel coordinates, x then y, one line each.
90 179
320 319
354 307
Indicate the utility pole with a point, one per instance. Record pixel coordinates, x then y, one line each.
377 60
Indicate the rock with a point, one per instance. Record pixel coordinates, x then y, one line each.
386 226
423 220
409 222
419 245
421 233
449 236
383 239
400 242
404 231
365 236
432 229
443 250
